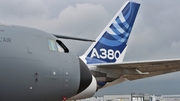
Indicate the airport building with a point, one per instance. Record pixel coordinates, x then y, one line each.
134 97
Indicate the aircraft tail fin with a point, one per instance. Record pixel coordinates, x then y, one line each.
111 44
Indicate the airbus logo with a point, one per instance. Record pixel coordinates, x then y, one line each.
105 54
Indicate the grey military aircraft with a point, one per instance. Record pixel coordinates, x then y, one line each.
37 66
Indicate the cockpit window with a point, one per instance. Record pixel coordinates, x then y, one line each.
61 47
52 45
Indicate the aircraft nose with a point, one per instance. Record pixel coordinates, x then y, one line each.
85 76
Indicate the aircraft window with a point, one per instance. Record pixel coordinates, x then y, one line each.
52 45
61 47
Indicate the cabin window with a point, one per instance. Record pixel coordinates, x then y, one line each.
52 45
61 47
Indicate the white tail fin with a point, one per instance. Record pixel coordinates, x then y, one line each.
111 44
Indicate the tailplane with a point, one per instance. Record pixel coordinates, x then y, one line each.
111 44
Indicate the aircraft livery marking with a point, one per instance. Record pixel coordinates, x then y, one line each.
110 54
112 42
5 40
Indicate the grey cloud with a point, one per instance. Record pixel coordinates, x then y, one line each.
84 15
22 8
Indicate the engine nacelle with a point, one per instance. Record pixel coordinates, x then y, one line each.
88 92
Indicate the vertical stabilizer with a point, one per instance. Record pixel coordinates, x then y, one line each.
111 44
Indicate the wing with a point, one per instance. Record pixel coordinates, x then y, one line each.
111 74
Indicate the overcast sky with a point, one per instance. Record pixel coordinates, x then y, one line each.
155 34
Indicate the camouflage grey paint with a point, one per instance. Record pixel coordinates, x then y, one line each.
29 71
